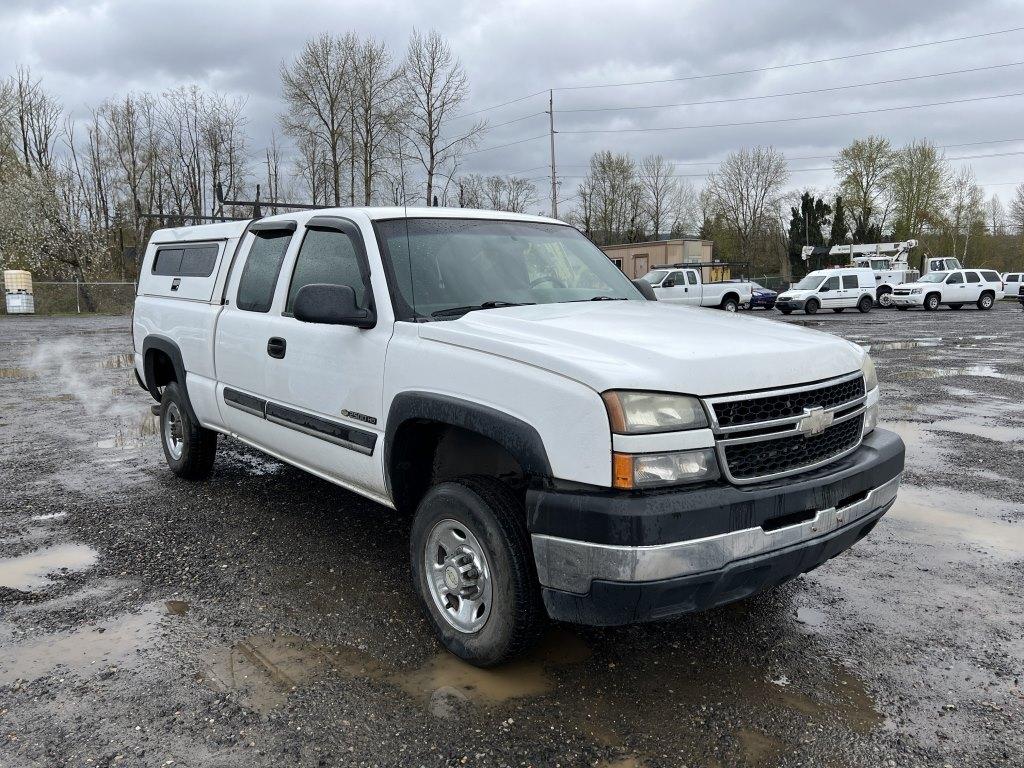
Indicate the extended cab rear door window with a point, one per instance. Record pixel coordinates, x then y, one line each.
259 277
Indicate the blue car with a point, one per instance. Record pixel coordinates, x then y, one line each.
762 298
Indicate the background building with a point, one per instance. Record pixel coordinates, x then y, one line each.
635 259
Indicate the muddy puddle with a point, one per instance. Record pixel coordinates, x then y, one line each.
952 518
983 371
265 668
119 361
885 346
99 648
132 436
16 373
38 569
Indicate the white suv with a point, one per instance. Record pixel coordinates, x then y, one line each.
563 446
982 287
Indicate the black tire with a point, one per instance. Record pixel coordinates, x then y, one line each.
729 304
931 302
987 300
198 445
956 306
790 311
865 304
837 310
884 297
493 514
812 306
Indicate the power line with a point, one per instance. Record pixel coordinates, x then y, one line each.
788 93
744 71
794 64
795 119
502 146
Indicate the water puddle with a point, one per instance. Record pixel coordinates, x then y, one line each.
265 668
123 360
176 607
984 371
952 517
48 516
810 617
16 373
132 437
885 346
32 571
106 646
758 748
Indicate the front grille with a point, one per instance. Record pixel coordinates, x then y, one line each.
901 292
771 407
747 461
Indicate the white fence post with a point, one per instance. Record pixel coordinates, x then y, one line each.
78 299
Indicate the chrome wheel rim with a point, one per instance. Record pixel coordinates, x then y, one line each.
885 300
173 435
458 576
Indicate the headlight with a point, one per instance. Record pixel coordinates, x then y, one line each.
649 470
631 413
870 377
870 418
915 290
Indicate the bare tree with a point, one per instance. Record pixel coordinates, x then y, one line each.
1017 210
38 117
660 187
965 215
434 87
8 109
863 170
996 215
224 143
316 92
745 192
273 169
376 109
614 199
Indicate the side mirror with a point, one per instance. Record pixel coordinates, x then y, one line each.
669 283
329 304
645 288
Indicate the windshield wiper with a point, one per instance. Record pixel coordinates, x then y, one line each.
492 304
608 298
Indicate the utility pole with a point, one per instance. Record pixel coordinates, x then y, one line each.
554 183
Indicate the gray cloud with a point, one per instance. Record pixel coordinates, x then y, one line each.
86 51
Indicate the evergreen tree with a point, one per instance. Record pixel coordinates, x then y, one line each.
837 235
806 225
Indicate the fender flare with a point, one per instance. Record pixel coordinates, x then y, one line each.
170 348
516 436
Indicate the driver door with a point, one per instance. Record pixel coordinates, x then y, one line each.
673 288
954 290
831 293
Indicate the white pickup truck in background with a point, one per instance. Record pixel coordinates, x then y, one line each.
684 285
563 447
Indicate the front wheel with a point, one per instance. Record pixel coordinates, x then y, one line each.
931 302
865 303
986 301
812 306
189 448
473 570
885 299
730 305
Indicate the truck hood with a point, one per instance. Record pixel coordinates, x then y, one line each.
794 293
652 346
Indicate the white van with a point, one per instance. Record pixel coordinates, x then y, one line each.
835 289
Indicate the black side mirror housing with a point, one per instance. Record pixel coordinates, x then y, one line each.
669 283
645 288
330 304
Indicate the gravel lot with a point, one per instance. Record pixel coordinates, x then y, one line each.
266 617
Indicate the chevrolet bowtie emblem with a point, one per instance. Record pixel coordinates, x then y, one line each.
815 421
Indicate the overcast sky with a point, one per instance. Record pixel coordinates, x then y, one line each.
85 51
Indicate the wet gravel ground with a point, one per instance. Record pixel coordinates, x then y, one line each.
266 617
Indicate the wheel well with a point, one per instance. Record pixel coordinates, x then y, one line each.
988 291
884 289
162 367
426 452
734 296
933 293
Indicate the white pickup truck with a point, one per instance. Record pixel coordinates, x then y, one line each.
684 285
565 447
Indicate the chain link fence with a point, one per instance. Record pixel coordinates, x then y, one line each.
69 298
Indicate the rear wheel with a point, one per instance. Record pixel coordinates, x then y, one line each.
884 297
865 304
986 301
931 302
729 304
473 570
812 306
189 448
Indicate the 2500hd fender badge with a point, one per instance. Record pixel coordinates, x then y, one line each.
359 416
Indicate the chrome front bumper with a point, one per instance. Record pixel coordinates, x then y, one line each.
570 565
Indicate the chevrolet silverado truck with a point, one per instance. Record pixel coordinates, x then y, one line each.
565 448
684 285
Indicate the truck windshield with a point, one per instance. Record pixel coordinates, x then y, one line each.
654 277
809 283
443 268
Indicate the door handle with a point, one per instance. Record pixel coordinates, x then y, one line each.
175 283
276 347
